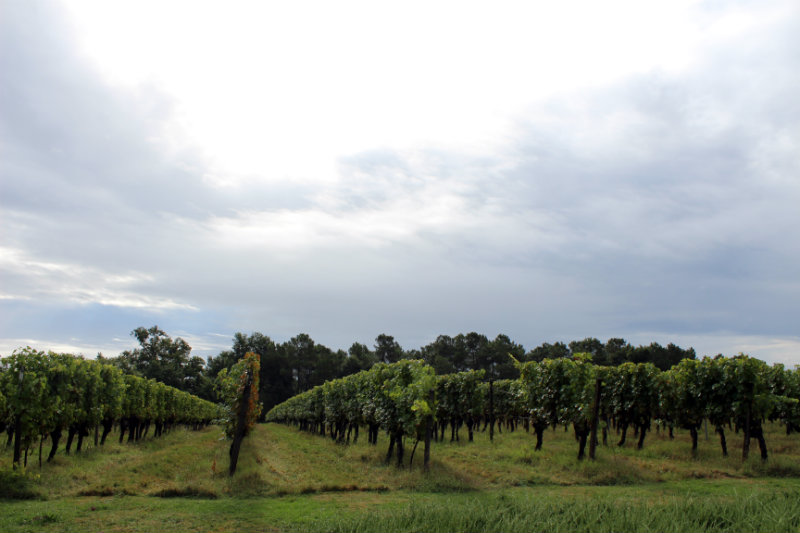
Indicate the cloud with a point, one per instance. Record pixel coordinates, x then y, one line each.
71 283
660 200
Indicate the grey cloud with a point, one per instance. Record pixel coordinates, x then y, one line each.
666 203
83 175
676 224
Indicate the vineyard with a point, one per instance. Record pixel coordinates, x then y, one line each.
48 395
407 400
45 396
499 454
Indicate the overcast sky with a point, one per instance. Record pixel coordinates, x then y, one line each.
547 170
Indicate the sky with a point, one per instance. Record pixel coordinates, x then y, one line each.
546 170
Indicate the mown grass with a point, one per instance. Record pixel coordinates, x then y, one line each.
180 460
294 481
294 462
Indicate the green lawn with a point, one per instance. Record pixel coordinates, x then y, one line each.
293 481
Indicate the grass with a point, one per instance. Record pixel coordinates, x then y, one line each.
180 460
293 481
523 511
683 506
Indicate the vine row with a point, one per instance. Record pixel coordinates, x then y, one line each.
47 394
406 399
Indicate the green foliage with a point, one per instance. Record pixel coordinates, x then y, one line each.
728 390
403 401
387 350
554 392
164 359
395 396
681 399
230 387
300 363
631 393
785 386
460 396
558 391
508 399
749 379
24 385
3 406
44 394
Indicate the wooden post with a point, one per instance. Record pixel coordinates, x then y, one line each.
18 430
491 410
748 416
746 442
595 415
241 425
17 441
428 430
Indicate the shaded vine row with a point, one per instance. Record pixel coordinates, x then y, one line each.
406 399
44 395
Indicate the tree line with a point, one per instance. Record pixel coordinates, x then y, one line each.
299 364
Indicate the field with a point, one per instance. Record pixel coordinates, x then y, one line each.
293 481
